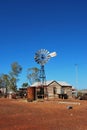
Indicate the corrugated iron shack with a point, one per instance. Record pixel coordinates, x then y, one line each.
51 89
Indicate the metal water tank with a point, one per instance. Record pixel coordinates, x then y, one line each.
31 93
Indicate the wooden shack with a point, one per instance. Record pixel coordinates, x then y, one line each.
52 89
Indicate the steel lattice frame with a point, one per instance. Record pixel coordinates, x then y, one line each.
41 57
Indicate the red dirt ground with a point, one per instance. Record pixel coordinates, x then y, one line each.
48 115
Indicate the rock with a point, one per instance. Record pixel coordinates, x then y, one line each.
69 107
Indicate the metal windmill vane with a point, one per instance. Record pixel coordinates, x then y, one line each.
42 57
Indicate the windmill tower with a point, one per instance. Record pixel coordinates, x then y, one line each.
42 57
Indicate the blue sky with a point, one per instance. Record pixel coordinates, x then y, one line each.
27 26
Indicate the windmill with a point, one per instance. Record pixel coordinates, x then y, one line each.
42 57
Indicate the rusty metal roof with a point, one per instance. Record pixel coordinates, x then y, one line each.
62 83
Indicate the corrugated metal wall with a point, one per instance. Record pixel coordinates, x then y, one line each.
31 93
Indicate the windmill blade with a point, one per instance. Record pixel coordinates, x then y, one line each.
42 56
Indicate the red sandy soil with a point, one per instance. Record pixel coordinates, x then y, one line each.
18 114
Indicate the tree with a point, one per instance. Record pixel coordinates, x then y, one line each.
33 74
13 82
5 81
24 85
1 83
9 81
16 69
